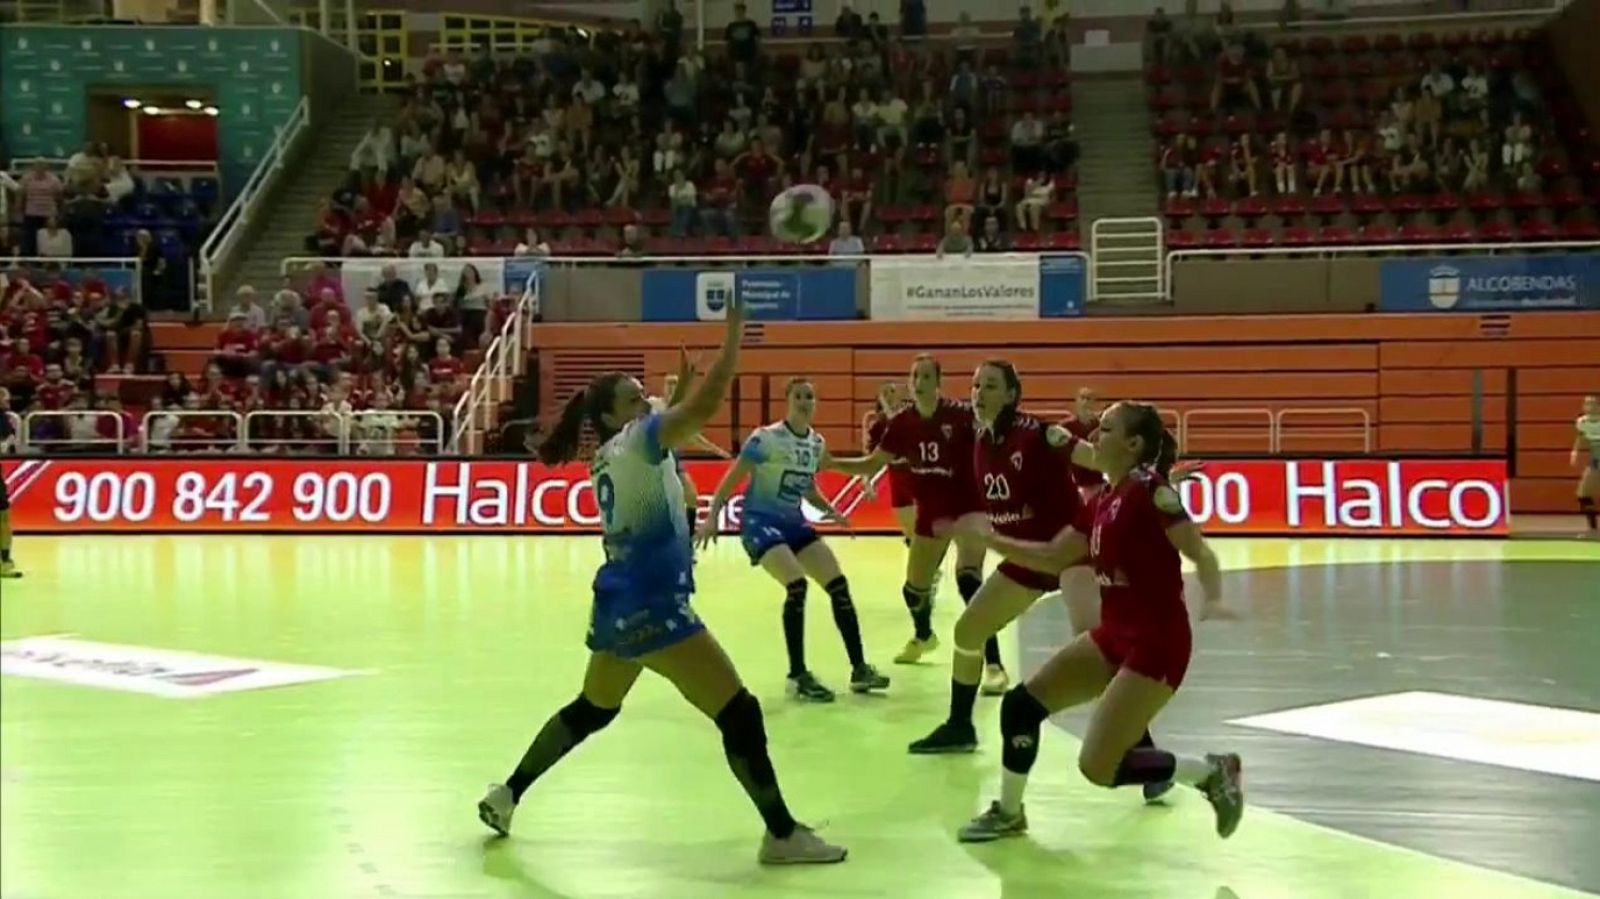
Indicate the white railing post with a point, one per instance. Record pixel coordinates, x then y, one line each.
1127 259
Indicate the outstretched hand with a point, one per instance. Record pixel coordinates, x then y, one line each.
1183 471
706 534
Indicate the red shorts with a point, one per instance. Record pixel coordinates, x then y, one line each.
928 514
902 487
1027 577
1159 655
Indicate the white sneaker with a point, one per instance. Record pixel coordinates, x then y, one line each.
496 808
995 680
803 847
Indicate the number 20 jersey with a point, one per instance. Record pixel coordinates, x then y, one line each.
1026 484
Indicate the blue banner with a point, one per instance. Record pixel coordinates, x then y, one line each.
1063 283
518 269
1490 283
776 294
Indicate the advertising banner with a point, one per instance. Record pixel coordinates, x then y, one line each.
769 294
1358 497
1490 283
999 286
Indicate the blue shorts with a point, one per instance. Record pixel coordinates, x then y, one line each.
633 622
760 535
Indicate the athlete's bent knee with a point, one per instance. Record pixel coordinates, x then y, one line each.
584 717
1096 770
743 731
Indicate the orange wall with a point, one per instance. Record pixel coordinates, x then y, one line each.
1411 375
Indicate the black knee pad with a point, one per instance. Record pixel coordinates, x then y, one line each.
743 731
1584 502
1020 711
838 590
968 580
583 717
795 593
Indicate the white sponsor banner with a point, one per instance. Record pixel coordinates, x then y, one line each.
931 288
140 669
356 275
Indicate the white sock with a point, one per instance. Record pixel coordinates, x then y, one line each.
1191 770
1012 786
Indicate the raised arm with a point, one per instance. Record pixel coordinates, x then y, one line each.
682 422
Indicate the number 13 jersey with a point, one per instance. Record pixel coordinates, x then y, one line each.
937 450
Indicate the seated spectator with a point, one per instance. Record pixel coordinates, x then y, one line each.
332 347
176 389
42 194
1242 174
1409 169
1322 163
472 298
994 196
632 245
1027 139
1358 157
1518 146
719 213
992 240
1427 116
238 347
1475 167
1281 157
561 178
372 319
1283 81
126 325
430 285
287 349
245 304
960 195
1447 165
376 150
1474 92
1178 159
956 241
682 200
531 244
447 224
961 139
1235 82
845 241
425 247
54 241
626 176
429 172
1038 192
119 182
1527 179
1027 39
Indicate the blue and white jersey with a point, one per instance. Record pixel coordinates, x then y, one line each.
784 468
640 497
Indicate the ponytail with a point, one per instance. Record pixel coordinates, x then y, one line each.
561 444
1160 449
588 405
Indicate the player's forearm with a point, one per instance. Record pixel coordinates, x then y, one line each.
1209 572
816 499
1052 556
858 466
730 482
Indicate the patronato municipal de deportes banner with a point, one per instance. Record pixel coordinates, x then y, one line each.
152 495
1510 283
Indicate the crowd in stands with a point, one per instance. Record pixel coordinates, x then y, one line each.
95 207
1435 133
633 142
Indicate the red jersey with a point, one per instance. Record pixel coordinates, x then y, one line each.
241 341
1024 482
877 426
443 371
1085 478
937 450
1139 571
55 394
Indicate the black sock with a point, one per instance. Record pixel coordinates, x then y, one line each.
968 581
559 736
906 541
962 698
689 514
920 604
5 555
1145 766
794 627
844 616
1146 741
744 740
1589 512
1020 717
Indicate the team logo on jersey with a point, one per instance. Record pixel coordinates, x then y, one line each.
1016 460
948 431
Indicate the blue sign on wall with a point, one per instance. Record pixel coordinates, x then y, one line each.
1490 283
778 294
1063 282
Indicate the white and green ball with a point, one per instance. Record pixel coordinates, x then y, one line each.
802 213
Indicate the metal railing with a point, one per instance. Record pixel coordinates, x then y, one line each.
216 254
1414 249
14 442
120 273
164 431
1230 425
1334 423
66 439
1511 9
504 361
319 431
396 432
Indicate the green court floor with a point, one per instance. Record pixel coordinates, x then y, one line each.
448 653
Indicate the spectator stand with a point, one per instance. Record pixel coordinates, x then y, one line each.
185 431
220 252
1458 126
105 204
1176 259
505 360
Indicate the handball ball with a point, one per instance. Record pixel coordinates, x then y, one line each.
802 213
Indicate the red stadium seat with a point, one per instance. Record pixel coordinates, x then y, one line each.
1336 235
887 243
1061 240
1457 232
1444 203
1291 207
1327 205
1257 238
1064 211
1180 207
1539 229
1182 240
1408 204
1367 205
1496 231
1378 234
1250 209
1581 229
1027 242
1297 236
1419 233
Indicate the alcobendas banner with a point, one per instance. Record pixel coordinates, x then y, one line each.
167 495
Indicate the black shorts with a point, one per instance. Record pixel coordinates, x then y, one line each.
5 499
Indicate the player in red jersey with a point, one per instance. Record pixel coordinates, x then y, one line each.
1133 532
934 437
1078 591
901 484
1027 493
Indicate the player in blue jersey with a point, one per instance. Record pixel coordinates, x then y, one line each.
641 616
782 461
